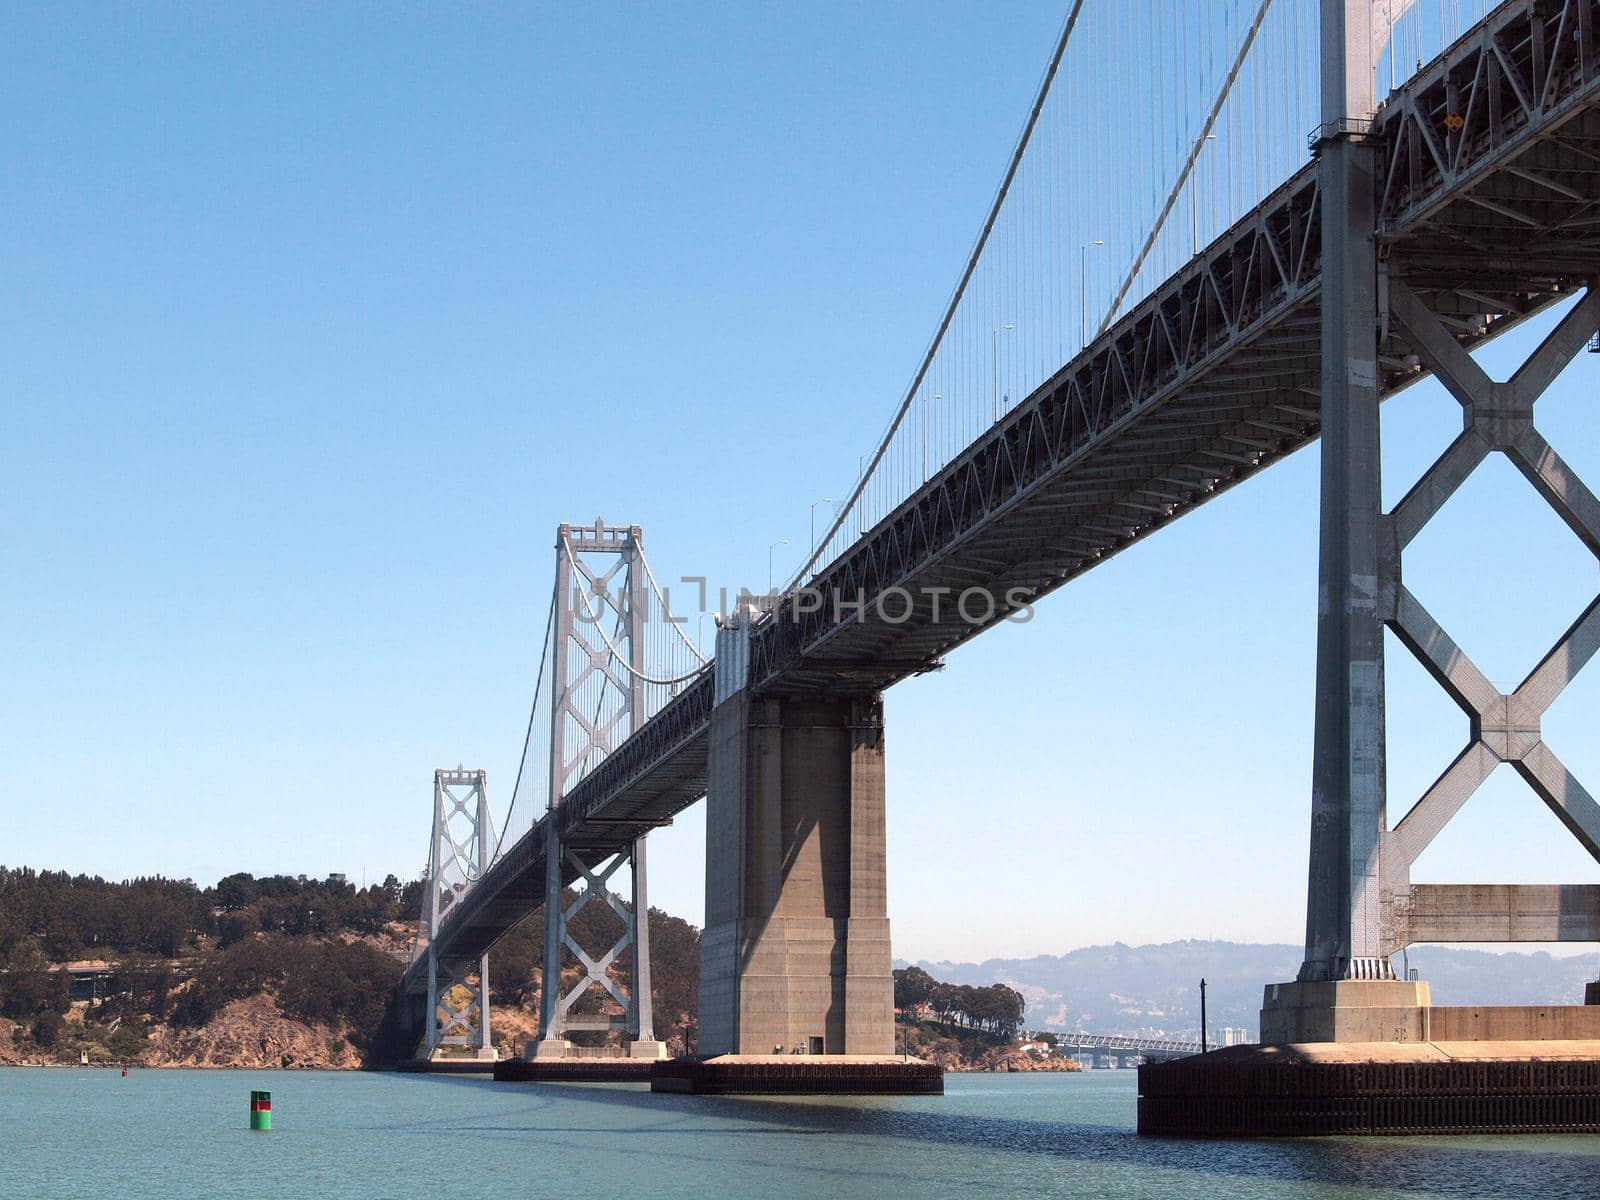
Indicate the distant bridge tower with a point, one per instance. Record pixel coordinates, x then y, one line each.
457 1022
599 698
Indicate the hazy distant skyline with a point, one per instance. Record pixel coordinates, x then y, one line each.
318 322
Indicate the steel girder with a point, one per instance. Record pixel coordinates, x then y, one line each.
1183 397
1215 376
1523 68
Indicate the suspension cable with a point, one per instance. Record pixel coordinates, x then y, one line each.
616 651
844 509
666 612
527 738
1188 166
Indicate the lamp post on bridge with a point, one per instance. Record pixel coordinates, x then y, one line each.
828 500
770 549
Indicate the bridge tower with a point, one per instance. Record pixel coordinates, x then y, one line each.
1361 905
599 698
457 1021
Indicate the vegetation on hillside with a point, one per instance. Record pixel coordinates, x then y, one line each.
325 952
69 917
329 954
996 1009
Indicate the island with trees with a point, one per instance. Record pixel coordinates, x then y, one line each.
287 971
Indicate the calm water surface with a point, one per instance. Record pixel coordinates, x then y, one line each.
184 1133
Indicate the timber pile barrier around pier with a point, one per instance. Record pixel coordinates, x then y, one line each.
574 1070
763 1075
1228 1094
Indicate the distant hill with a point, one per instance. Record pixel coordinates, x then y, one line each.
1154 989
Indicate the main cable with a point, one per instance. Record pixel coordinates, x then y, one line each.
1188 166
845 509
527 738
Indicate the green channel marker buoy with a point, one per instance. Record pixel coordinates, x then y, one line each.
261 1110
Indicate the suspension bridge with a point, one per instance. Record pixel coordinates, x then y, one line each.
1316 203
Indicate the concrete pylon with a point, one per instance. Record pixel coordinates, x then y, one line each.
1346 989
1348 803
795 955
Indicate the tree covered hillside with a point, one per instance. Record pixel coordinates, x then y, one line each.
173 962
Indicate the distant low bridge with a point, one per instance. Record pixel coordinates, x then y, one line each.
1117 1045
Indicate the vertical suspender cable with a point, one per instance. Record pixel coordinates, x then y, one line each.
955 299
1188 166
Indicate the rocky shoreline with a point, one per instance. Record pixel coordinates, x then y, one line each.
255 1034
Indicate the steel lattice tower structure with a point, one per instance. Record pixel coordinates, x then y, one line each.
458 854
598 699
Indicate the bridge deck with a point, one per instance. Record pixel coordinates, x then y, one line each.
1489 216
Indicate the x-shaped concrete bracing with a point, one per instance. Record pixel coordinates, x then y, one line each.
594 970
1506 728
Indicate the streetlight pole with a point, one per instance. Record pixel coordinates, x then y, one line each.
770 549
1083 291
828 500
861 476
994 365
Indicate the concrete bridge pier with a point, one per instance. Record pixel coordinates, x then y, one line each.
795 955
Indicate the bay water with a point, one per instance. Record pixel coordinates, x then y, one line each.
339 1135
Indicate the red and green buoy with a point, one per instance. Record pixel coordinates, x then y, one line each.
261 1110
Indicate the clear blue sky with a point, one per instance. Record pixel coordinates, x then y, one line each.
315 322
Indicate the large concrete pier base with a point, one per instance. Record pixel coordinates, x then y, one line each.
1345 1010
795 955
